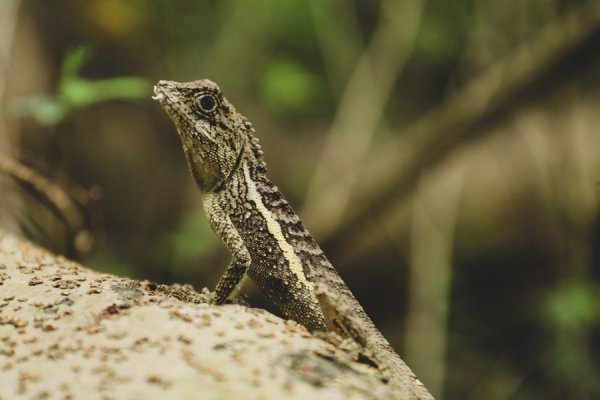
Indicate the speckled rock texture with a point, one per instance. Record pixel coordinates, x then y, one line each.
67 332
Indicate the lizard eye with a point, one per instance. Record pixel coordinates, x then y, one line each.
207 102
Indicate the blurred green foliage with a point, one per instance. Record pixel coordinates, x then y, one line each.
75 92
572 313
189 241
287 87
573 306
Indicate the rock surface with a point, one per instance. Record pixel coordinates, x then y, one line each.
67 332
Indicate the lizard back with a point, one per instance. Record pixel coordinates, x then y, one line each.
286 259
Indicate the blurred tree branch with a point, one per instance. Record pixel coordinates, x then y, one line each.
435 210
361 107
392 170
67 206
338 37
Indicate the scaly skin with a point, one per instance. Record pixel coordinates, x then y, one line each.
267 240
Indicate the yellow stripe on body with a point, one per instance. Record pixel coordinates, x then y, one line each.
275 229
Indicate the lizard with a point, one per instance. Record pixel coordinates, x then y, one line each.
266 238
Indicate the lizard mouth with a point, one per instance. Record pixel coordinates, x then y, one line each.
158 94
164 90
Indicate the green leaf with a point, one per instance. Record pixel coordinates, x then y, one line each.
74 61
79 92
75 92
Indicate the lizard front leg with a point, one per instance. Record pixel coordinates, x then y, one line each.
232 279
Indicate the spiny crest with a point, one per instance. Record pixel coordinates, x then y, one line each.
254 144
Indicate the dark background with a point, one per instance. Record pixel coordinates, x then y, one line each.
446 153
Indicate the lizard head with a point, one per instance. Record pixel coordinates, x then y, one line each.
213 134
